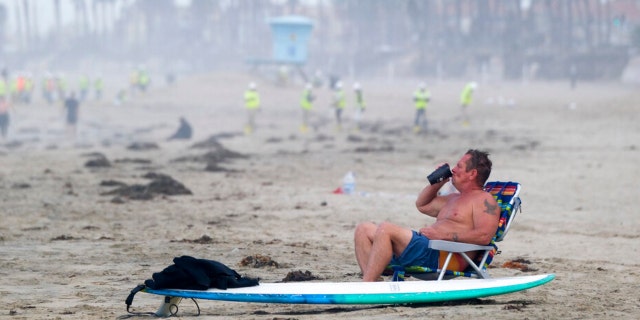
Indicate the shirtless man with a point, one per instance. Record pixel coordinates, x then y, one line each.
470 216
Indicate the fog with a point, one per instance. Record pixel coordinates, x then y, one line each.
444 39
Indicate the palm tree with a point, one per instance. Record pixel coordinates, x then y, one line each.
3 23
56 9
27 23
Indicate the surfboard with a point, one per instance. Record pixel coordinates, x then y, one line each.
364 292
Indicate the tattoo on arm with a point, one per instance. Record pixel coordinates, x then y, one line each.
454 237
490 209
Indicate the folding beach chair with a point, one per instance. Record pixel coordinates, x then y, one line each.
507 196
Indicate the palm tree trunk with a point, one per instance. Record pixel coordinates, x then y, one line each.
27 23
56 8
20 30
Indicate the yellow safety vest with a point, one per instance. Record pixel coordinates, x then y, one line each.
251 99
340 101
421 98
465 96
306 100
360 99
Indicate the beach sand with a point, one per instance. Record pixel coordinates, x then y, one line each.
70 251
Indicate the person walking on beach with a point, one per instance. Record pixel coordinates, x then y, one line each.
420 99
307 105
84 84
465 100
98 86
252 104
4 88
4 116
71 105
339 102
360 105
470 216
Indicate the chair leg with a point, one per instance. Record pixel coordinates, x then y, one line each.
444 267
482 273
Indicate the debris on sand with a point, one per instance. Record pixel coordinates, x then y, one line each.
519 264
63 237
212 141
299 276
214 157
214 167
99 161
258 261
142 146
133 160
111 183
370 149
160 184
205 239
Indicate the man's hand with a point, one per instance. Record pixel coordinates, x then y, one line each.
429 233
434 234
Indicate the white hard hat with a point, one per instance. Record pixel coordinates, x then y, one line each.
422 85
339 84
473 85
308 86
252 85
356 86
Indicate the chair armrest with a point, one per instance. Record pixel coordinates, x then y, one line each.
451 246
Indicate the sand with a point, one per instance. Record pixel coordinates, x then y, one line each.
69 251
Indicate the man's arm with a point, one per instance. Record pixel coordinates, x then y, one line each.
429 202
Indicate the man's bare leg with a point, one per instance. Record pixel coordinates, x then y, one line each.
387 240
363 240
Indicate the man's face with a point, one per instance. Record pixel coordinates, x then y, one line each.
460 169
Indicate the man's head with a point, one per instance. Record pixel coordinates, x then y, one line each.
479 161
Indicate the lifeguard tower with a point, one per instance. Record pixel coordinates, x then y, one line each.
290 36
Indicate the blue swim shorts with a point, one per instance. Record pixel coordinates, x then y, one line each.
418 253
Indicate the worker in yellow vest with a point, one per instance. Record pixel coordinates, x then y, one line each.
83 85
14 87
134 81
307 105
360 105
61 86
144 79
4 113
252 104
28 88
98 86
49 88
420 99
339 102
3 88
465 100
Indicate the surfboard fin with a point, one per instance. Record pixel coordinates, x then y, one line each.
168 307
